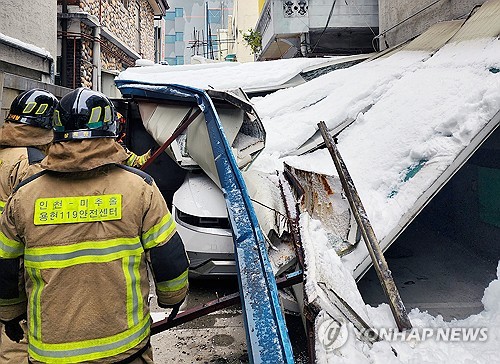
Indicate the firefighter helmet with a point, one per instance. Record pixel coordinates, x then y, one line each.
84 114
33 107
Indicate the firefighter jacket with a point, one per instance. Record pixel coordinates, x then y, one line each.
87 227
21 145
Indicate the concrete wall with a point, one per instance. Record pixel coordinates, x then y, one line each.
358 13
394 11
33 22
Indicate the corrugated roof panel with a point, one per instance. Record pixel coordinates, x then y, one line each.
435 37
485 23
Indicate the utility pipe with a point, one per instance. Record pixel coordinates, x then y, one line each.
96 60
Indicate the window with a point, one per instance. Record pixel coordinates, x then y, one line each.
169 39
170 15
214 42
179 60
179 12
179 36
214 16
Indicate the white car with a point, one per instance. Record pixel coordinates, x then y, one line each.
199 210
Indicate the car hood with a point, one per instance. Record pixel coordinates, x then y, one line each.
199 196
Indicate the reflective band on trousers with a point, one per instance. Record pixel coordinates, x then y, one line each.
81 253
95 349
159 233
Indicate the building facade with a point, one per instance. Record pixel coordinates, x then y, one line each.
245 16
196 28
28 49
99 38
311 28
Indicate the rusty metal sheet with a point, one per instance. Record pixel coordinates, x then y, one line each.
321 196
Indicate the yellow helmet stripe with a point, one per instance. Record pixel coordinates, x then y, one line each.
29 107
95 115
42 109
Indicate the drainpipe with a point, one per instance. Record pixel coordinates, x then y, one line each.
64 46
96 60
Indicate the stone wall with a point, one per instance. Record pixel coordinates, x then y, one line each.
132 24
113 58
147 31
86 66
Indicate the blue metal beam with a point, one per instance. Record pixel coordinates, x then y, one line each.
267 336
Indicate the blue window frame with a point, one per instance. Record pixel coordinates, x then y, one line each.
214 16
179 36
179 12
179 60
214 42
170 15
170 38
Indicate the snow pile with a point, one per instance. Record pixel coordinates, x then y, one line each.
223 75
33 48
439 347
141 62
325 267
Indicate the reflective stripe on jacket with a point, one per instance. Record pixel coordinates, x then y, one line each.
84 242
14 166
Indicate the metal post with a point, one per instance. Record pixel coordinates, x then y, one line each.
384 274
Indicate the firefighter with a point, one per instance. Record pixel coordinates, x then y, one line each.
87 226
24 138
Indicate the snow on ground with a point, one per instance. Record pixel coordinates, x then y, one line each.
223 75
443 340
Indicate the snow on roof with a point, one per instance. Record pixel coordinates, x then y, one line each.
409 109
410 112
34 49
223 75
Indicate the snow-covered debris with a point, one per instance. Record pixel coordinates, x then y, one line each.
409 108
410 112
